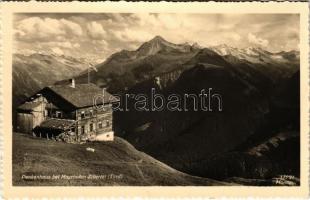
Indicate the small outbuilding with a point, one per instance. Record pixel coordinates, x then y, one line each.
29 115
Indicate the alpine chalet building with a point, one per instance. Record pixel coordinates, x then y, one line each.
67 112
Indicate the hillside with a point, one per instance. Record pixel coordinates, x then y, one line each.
119 159
256 107
221 144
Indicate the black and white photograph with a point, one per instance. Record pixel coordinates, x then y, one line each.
156 99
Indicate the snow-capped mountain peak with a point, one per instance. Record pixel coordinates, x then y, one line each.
253 54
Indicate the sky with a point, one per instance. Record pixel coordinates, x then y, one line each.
98 35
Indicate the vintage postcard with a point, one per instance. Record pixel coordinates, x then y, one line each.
107 99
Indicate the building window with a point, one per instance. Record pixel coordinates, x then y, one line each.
82 129
58 114
91 112
108 123
91 127
100 125
82 114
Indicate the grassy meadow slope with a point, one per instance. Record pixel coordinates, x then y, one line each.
36 156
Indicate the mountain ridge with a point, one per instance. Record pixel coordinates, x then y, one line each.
158 56
248 90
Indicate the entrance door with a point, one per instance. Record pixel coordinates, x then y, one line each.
82 130
91 127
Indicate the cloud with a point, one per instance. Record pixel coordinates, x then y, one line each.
60 45
43 29
57 51
257 41
232 36
67 45
146 19
71 27
96 31
131 35
101 34
99 45
76 45
170 21
25 51
226 26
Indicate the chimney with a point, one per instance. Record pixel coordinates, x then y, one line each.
72 81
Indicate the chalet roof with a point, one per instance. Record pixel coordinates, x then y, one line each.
82 95
53 123
28 106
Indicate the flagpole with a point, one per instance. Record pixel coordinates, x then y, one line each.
88 74
88 71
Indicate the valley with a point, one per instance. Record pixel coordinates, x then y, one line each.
255 135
